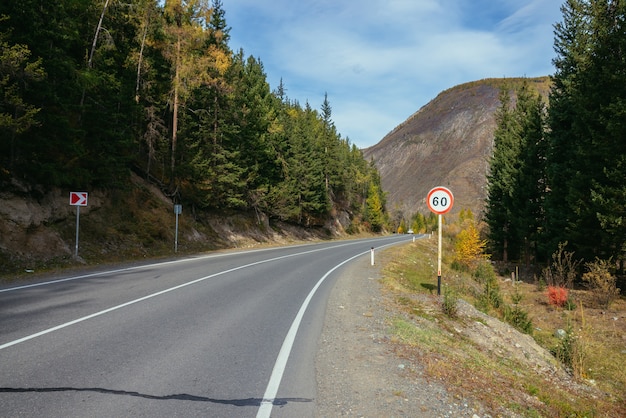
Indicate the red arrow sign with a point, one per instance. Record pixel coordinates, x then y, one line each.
78 198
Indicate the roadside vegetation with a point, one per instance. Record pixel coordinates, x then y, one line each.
161 94
579 321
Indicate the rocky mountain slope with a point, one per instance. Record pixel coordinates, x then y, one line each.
448 142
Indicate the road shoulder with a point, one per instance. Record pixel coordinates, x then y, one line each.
358 374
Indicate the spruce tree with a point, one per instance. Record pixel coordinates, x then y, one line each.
516 181
530 183
585 141
501 182
606 96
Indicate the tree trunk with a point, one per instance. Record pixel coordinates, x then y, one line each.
175 111
93 45
140 58
95 38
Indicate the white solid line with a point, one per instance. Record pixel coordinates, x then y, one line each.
271 391
171 289
265 409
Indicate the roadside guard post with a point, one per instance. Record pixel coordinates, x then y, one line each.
439 201
372 256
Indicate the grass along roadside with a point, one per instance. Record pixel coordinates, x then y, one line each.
507 371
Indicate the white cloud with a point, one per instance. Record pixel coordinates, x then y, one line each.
380 61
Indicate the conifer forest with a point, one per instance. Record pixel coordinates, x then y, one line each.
92 90
558 172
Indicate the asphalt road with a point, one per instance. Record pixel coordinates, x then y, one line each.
222 335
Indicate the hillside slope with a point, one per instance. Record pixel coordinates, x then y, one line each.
38 228
448 142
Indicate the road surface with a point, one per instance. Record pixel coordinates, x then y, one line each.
221 335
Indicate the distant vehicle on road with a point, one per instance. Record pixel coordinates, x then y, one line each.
410 231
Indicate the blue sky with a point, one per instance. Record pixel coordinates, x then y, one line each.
382 60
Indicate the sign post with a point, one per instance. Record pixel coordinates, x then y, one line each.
78 199
439 201
178 209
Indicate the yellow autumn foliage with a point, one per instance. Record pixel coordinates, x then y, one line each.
470 249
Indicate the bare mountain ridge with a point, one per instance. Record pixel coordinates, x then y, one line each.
448 142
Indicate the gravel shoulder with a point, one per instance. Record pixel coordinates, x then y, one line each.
358 373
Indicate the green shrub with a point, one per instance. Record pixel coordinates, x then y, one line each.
449 303
491 293
518 317
541 284
564 351
484 272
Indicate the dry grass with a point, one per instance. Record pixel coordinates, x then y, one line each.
592 386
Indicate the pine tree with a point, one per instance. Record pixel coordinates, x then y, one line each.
18 72
186 51
252 113
607 95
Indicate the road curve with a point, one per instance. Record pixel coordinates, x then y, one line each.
229 334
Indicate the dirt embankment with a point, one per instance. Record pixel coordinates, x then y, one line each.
38 228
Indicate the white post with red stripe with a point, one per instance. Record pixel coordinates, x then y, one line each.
439 201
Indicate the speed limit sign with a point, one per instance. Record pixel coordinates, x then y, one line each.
440 200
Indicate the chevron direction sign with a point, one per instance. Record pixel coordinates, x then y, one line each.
78 198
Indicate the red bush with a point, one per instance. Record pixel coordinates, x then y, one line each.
557 295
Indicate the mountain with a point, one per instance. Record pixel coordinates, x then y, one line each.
448 142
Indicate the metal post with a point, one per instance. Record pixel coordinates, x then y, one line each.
439 260
77 223
178 209
176 236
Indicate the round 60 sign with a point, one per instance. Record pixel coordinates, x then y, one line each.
440 200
